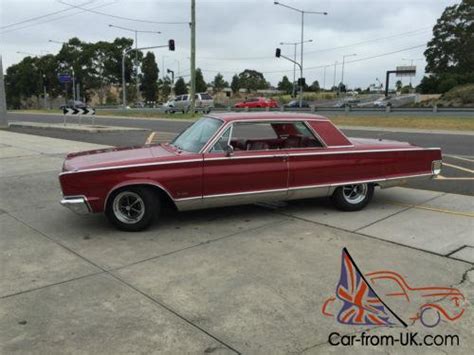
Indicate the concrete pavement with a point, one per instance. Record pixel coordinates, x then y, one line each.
248 279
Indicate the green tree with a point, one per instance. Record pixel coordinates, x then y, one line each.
399 85
219 83
450 53
164 87
315 86
285 85
235 84
150 77
252 80
201 85
452 47
180 87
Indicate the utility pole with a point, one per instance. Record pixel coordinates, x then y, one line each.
334 83
3 100
193 55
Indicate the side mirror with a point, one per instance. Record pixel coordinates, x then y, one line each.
229 150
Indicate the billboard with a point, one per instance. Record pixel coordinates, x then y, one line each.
406 70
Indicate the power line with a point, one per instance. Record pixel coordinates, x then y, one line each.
42 16
56 18
413 32
125 18
325 65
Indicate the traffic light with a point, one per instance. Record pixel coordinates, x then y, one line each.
171 44
301 82
278 53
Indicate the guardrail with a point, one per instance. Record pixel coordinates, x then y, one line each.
347 109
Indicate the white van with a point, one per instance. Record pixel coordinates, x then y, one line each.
182 103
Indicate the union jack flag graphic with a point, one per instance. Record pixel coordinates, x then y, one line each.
361 305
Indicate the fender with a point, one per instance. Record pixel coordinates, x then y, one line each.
137 182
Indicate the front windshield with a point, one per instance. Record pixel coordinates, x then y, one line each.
197 135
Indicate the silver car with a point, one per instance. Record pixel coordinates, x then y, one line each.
182 103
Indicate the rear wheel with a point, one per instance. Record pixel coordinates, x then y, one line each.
353 197
133 208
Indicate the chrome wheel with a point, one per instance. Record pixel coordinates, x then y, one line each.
355 194
128 207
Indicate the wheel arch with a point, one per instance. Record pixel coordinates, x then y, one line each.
162 192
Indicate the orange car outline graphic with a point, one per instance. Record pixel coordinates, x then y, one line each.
407 292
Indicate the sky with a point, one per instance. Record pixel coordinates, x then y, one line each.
233 35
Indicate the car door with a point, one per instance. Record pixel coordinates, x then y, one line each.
309 173
253 172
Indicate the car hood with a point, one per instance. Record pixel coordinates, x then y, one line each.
110 157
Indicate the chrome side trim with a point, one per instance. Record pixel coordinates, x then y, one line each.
295 192
233 157
363 151
77 204
239 198
290 154
130 166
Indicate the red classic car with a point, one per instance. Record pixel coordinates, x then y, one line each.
239 158
257 102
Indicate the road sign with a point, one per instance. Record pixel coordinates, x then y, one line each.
406 70
64 78
69 111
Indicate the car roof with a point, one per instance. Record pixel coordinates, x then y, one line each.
256 116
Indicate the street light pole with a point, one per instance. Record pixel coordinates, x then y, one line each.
343 61
125 52
334 83
295 44
73 74
302 12
135 31
324 80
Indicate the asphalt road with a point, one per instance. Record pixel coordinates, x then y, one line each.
458 149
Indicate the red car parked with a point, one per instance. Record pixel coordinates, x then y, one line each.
257 102
239 158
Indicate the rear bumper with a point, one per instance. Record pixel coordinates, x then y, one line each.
77 204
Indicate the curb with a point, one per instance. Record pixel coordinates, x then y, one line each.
72 127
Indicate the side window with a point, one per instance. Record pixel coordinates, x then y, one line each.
178 98
184 97
295 135
254 136
222 143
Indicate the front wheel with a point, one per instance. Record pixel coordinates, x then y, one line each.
133 208
353 197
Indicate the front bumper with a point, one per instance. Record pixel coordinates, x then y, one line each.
77 204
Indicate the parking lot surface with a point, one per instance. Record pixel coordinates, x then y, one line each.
248 279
